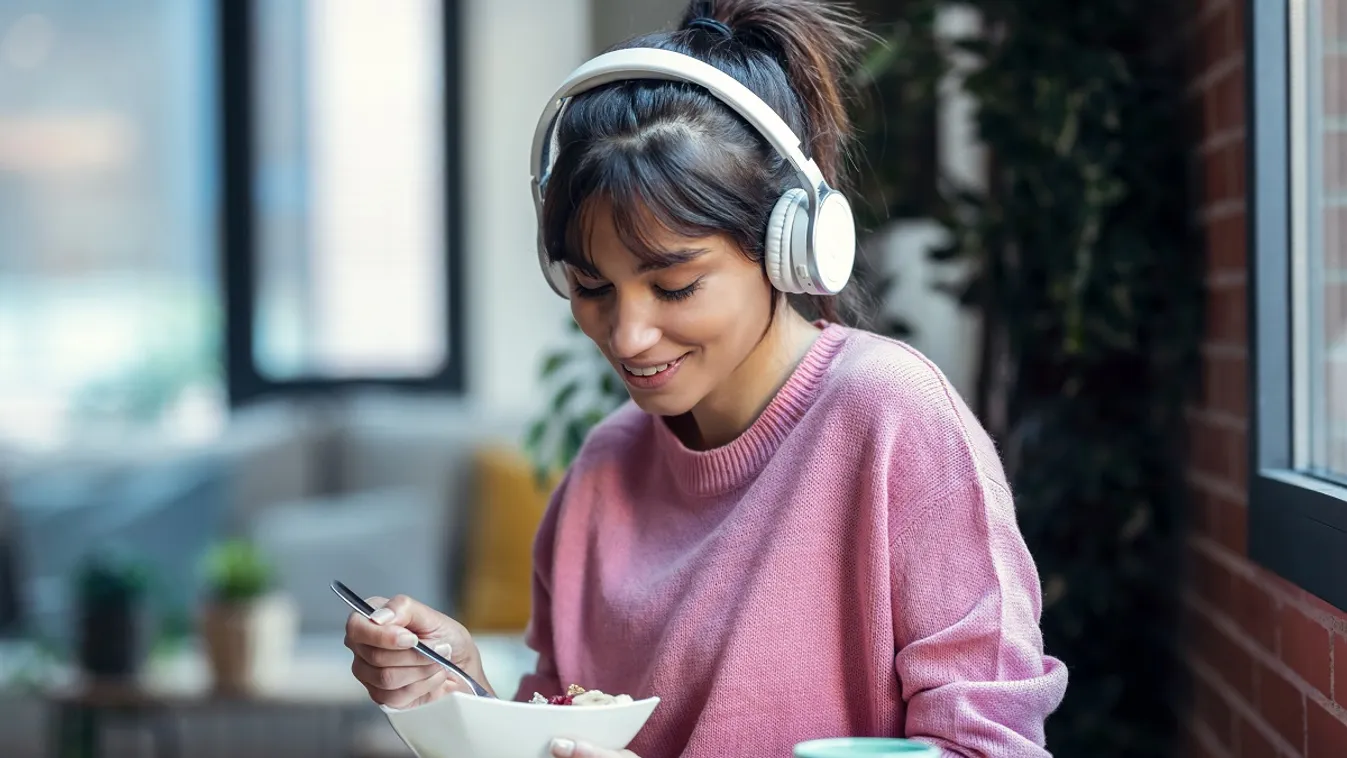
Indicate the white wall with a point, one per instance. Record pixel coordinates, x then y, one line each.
616 20
517 52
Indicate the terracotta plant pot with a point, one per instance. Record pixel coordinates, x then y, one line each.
249 642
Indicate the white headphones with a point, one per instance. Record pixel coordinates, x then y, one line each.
811 236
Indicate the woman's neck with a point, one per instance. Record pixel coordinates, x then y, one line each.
732 407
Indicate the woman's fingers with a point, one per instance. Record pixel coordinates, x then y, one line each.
385 660
411 695
391 678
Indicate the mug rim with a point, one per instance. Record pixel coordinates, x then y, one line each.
827 747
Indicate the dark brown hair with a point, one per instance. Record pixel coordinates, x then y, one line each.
672 153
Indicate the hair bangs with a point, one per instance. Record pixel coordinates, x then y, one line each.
652 191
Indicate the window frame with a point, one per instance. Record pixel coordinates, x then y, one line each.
1297 522
245 382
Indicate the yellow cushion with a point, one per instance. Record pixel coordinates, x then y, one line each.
507 507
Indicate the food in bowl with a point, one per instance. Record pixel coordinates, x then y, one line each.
577 695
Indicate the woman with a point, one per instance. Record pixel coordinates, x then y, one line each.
795 529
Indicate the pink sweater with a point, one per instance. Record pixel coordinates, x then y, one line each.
850 565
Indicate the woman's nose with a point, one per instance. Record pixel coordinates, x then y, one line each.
633 330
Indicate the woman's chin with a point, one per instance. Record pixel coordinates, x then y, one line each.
661 403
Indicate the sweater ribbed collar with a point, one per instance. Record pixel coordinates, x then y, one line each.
724 469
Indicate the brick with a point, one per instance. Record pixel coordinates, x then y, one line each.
1227 313
1203 512
1236 115
1282 705
1256 612
1225 383
1216 180
1215 39
1305 648
1237 452
1213 582
1252 743
1325 732
1191 745
1234 665
1227 244
1218 450
1223 170
1339 668
1210 709
1204 447
1231 521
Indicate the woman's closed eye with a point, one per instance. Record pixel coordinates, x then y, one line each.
590 290
678 294
596 289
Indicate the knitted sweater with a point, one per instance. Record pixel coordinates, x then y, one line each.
849 566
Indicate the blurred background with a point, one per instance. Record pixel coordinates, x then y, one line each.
270 314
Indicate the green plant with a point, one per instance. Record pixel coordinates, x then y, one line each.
1091 298
237 571
112 579
585 389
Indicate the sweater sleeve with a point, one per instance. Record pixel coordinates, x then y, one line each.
966 600
538 634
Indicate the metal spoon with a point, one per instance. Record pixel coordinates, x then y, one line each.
366 610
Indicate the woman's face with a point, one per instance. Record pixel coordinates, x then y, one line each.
674 333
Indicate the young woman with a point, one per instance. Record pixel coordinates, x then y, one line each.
795 529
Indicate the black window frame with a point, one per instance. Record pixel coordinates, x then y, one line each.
245 382
1297 522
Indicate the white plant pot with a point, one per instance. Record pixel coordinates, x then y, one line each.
249 643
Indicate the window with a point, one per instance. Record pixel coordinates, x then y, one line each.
1298 268
340 186
109 304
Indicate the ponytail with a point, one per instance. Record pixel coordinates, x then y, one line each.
816 43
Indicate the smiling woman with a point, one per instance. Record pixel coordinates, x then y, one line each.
695 184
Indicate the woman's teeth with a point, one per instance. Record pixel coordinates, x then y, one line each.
651 371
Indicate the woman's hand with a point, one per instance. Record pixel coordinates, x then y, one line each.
393 673
569 749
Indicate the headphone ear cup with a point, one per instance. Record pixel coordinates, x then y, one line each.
834 248
781 238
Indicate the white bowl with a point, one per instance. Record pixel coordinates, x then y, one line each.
467 726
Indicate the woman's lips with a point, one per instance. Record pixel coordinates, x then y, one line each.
651 377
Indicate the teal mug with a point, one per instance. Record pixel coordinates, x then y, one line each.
865 747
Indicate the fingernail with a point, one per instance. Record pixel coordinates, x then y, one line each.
381 616
406 639
445 649
563 748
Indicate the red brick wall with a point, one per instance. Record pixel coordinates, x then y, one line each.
1268 661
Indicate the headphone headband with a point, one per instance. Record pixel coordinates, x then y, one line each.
667 65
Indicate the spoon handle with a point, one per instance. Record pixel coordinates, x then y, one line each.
365 609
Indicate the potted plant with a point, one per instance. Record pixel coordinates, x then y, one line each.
114 627
248 627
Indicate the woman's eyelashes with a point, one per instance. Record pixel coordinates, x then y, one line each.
592 291
600 290
678 294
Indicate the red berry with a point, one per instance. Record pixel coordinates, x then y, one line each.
560 700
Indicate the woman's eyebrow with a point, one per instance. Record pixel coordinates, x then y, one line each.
668 258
